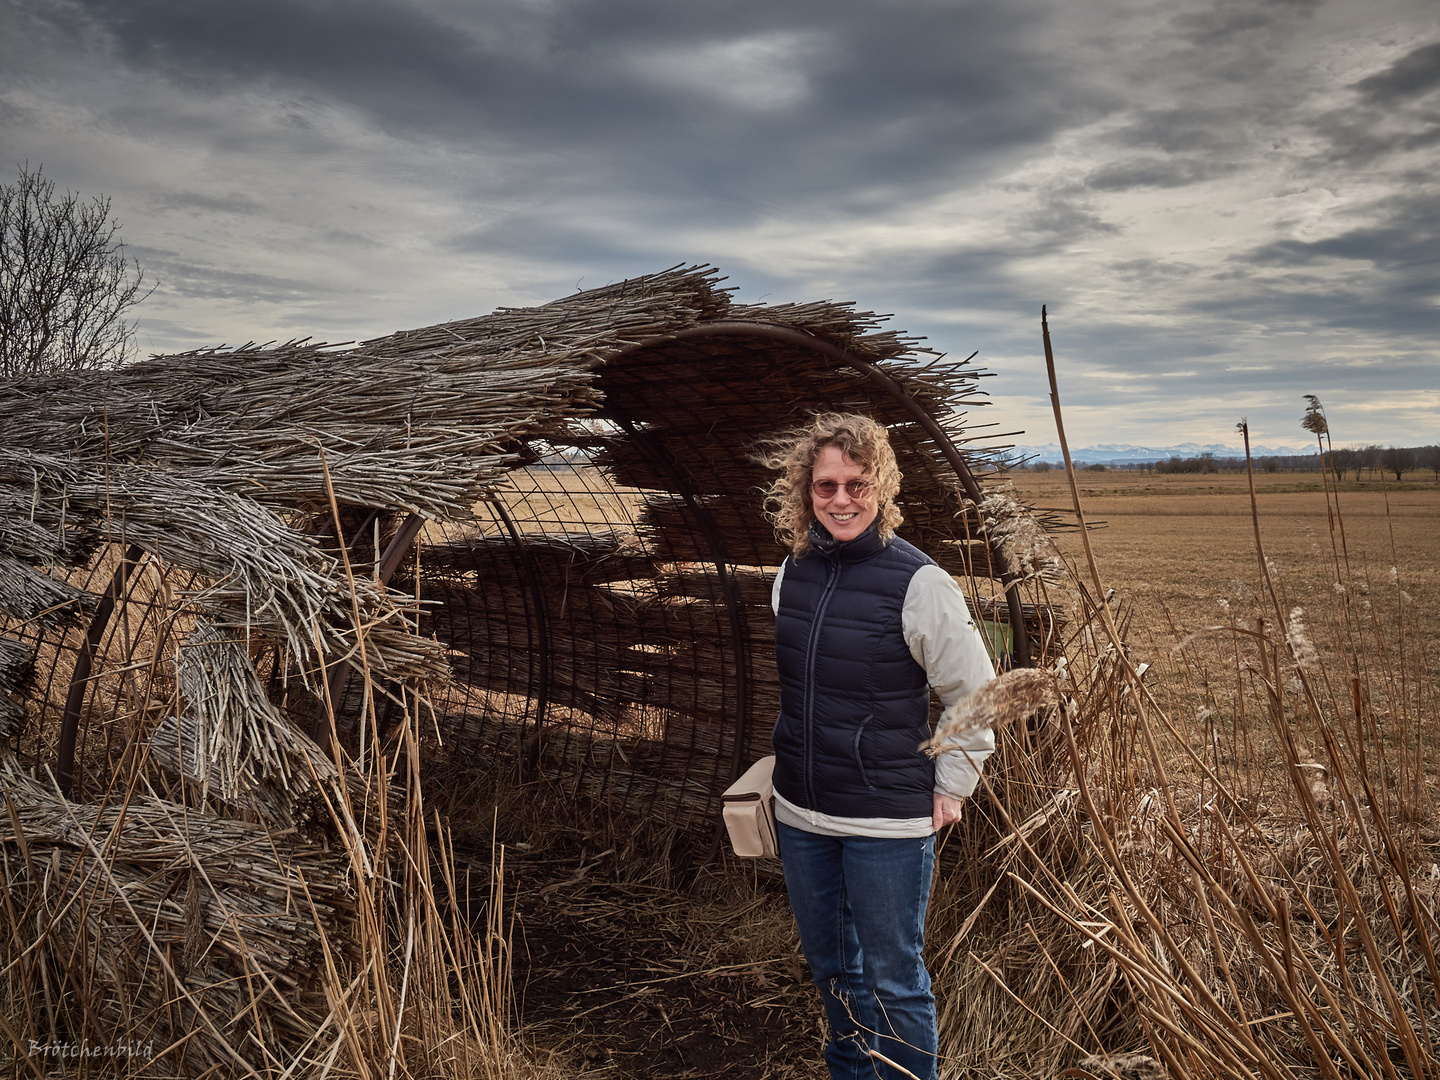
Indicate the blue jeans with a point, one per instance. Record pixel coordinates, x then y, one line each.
860 904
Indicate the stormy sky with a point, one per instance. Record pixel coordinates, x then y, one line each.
1226 204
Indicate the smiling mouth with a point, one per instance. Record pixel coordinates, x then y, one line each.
843 517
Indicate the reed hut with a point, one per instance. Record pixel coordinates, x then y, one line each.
224 573
551 517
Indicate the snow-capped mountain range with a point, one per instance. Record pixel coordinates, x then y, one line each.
1126 454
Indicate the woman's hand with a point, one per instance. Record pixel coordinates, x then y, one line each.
947 809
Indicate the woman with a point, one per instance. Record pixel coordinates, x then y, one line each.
866 625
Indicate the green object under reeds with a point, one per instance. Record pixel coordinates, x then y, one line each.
999 640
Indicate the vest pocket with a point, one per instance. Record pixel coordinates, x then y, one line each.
859 759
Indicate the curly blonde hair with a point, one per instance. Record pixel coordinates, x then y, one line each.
787 499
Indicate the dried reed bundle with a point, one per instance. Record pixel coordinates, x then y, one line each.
666 514
430 441
706 659
635 465
174 746
1015 698
37 528
239 731
233 742
198 934
591 558
678 620
751 585
580 678
266 575
32 597
700 696
505 610
26 540
17 676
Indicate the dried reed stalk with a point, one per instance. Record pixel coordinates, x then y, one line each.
1017 698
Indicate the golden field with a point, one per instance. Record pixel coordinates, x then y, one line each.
1174 546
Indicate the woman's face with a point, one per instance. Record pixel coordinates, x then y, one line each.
844 516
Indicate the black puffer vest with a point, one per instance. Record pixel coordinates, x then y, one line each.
854 704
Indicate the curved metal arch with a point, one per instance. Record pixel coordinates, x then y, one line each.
1020 637
389 562
721 558
530 748
84 661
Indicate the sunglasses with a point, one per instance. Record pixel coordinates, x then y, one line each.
856 489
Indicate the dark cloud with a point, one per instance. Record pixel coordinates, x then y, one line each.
194 280
642 87
1243 23
1190 129
1289 287
1156 172
1233 40
1384 247
1381 277
1148 272
1062 219
1367 134
211 47
233 202
1414 75
1392 113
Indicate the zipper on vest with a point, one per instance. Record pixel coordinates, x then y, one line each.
855 749
832 577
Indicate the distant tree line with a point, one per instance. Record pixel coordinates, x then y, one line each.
1204 463
1397 460
1372 460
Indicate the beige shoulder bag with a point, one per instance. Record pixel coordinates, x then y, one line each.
749 808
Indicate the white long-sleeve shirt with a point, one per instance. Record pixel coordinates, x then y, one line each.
943 639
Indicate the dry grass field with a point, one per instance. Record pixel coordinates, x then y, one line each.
1176 546
1180 551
